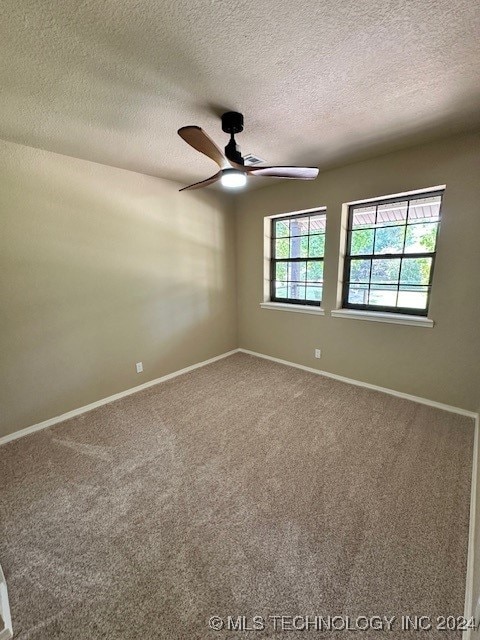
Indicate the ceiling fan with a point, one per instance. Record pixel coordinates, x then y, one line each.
233 170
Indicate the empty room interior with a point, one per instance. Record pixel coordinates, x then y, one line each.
240 319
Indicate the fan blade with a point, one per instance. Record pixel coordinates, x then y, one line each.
203 183
199 140
294 173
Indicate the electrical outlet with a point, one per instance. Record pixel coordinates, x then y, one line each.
318 353
139 367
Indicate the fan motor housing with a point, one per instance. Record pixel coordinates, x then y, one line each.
232 122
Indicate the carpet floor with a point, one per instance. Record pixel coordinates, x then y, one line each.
242 488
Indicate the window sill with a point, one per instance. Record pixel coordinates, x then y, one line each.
296 308
377 316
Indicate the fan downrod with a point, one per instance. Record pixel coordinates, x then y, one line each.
232 123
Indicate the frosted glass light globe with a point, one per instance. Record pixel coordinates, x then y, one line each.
232 178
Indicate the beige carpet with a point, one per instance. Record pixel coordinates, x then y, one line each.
242 488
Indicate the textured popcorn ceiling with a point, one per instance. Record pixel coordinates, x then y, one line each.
318 81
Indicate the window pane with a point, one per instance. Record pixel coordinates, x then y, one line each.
421 237
385 271
392 213
281 228
318 223
282 248
389 240
360 270
299 226
392 233
314 293
382 296
281 289
315 271
296 247
299 247
413 297
358 294
281 271
362 242
317 246
425 209
296 271
296 290
416 270
363 217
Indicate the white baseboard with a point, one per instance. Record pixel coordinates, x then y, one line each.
367 385
76 412
470 604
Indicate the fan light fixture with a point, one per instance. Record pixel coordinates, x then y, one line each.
232 178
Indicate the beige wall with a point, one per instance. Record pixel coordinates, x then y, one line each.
101 268
442 363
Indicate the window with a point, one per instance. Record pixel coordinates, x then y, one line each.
391 253
298 245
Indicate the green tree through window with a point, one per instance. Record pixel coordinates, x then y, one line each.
391 253
298 245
